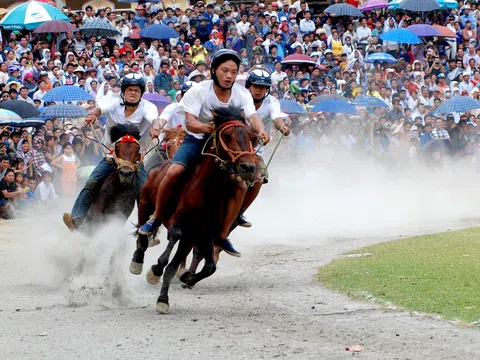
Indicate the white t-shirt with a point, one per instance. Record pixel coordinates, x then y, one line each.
201 100
115 112
268 111
173 118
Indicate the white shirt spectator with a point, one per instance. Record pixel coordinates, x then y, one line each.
307 26
364 32
46 191
243 27
278 76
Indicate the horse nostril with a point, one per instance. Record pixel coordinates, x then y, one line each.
126 172
247 168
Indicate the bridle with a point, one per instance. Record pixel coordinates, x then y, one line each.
125 139
219 142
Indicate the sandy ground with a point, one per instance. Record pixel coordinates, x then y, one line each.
265 305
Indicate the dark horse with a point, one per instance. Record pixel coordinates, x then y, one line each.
117 194
197 207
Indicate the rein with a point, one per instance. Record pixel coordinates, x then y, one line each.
121 162
217 139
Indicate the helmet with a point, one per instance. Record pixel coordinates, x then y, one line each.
196 73
224 55
132 79
258 77
220 57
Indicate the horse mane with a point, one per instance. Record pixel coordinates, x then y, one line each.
224 114
119 130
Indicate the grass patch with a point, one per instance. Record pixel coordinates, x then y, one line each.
436 274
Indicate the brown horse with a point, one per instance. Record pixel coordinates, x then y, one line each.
197 207
117 193
173 139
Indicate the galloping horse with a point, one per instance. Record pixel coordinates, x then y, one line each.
117 194
172 140
197 207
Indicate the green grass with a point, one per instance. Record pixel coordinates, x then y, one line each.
437 274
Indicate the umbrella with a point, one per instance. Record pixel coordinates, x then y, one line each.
56 27
420 5
369 102
159 32
335 106
374 5
444 4
21 108
158 100
401 36
99 28
458 104
291 107
30 15
298 59
444 31
344 9
382 57
66 93
64 110
424 30
325 97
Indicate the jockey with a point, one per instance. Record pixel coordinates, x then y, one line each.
197 104
170 118
258 82
128 108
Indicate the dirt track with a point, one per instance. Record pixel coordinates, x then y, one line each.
265 305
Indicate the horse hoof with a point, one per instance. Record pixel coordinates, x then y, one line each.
136 268
162 308
180 272
153 242
152 279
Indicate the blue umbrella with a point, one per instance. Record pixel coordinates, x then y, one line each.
99 28
344 9
30 15
291 107
420 5
444 4
22 108
159 32
335 106
382 57
401 36
369 102
66 93
458 104
321 98
64 110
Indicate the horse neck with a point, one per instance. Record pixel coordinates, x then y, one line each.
210 180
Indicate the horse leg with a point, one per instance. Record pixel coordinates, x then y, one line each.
193 266
205 250
216 254
251 195
155 272
136 265
182 252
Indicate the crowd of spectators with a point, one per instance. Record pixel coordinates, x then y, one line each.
46 161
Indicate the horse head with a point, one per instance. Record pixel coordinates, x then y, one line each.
173 139
233 141
126 153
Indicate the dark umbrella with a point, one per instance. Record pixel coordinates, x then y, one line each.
325 97
56 27
99 28
343 9
64 110
9 118
291 107
420 5
158 100
22 108
159 32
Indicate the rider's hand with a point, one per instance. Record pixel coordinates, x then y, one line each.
154 133
91 119
210 128
264 136
284 130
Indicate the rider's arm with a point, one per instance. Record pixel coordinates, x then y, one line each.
195 126
259 128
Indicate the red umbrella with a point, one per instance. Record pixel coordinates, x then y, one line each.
444 31
55 26
298 59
